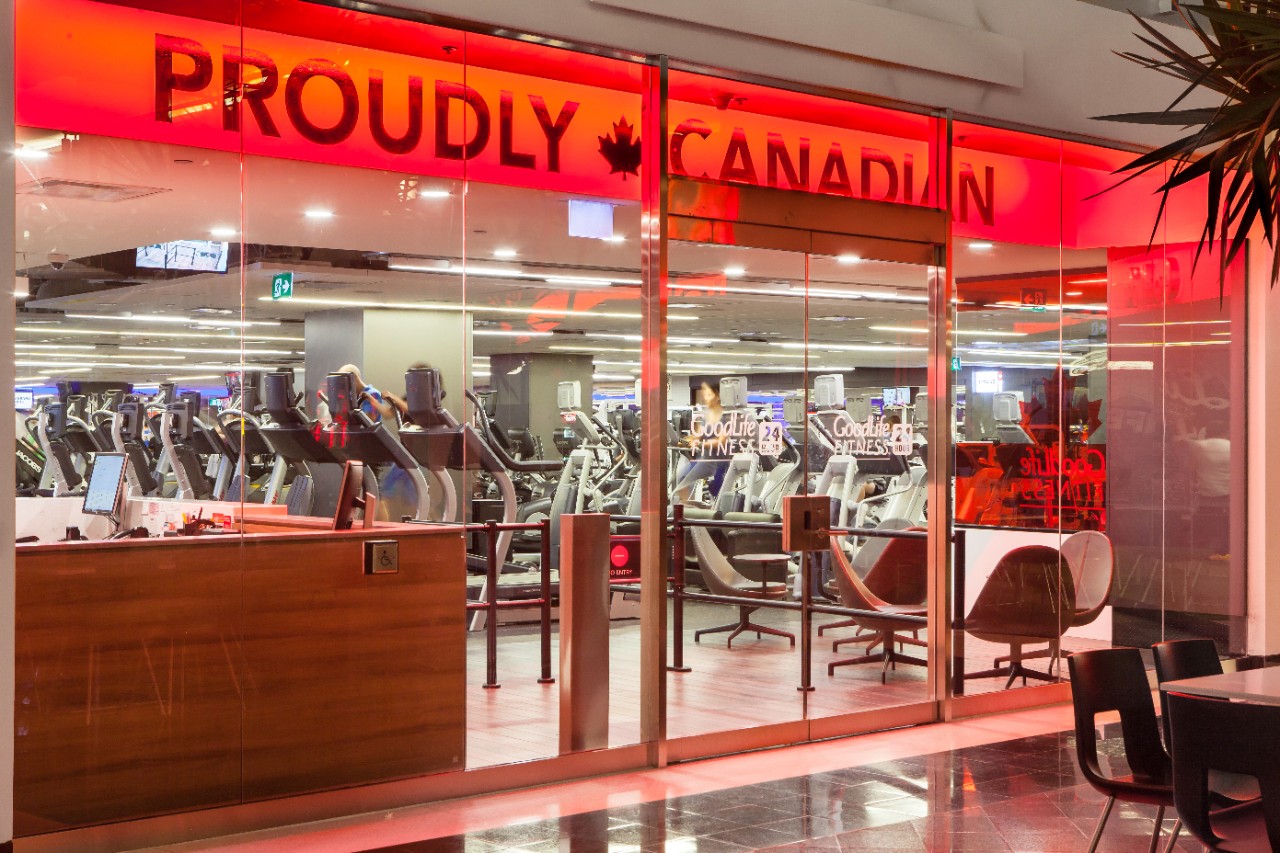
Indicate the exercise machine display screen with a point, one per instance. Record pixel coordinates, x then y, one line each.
105 484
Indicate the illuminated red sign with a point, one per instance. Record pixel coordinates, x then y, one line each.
100 68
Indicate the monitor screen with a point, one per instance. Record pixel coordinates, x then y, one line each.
187 255
987 382
105 484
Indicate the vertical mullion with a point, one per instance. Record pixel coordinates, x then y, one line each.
940 456
653 416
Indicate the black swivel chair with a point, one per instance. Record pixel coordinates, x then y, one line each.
1116 680
1230 737
722 579
1029 599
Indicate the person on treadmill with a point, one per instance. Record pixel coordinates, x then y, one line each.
878 485
371 402
710 450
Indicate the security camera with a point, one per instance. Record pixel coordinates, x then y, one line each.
57 260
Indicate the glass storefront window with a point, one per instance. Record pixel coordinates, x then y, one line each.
258 245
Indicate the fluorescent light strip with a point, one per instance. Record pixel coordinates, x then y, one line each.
168 318
516 273
508 333
1147 344
23 346
853 347
575 348
101 355
966 332
474 309
207 351
83 365
1019 353
52 330
1175 323
815 293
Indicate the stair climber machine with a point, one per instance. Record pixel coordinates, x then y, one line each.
68 444
128 425
30 459
442 445
102 416
315 477
260 474
355 435
179 428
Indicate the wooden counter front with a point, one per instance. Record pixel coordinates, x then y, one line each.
165 675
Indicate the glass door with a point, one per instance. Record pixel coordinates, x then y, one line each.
798 364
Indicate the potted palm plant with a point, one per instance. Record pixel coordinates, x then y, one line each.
1235 144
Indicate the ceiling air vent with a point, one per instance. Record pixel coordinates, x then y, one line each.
86 190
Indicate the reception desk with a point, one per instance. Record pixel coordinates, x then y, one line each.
165 675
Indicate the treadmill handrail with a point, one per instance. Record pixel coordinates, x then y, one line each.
536 466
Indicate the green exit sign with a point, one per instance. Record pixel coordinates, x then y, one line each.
282 285
955 363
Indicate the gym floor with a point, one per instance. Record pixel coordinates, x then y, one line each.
752 684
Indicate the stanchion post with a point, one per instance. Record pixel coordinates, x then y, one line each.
491 612
677 603
544 532
806 623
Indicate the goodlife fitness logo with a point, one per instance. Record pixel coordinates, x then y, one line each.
138 74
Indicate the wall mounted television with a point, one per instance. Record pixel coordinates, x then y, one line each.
185 255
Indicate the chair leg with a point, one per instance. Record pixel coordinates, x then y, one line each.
1155 834
1102 822
843 623
744 623
1173 837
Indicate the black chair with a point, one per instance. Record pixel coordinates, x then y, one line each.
1179 659
1116 680
1231 737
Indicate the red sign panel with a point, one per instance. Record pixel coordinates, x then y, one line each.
111 70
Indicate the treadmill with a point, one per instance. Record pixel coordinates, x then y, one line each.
356 436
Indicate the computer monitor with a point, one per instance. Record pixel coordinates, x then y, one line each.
105 484
351 496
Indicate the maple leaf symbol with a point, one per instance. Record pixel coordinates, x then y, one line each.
622 153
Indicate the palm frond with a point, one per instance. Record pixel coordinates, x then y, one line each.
1235 146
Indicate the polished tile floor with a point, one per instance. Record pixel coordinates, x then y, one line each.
1019 795
1001 783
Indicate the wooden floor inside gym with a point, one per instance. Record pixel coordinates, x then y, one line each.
752 684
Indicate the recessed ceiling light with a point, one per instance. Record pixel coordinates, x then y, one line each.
981 246
31 154
505 253
847 259
735 272
318 213
434 193
1075 293
223 232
